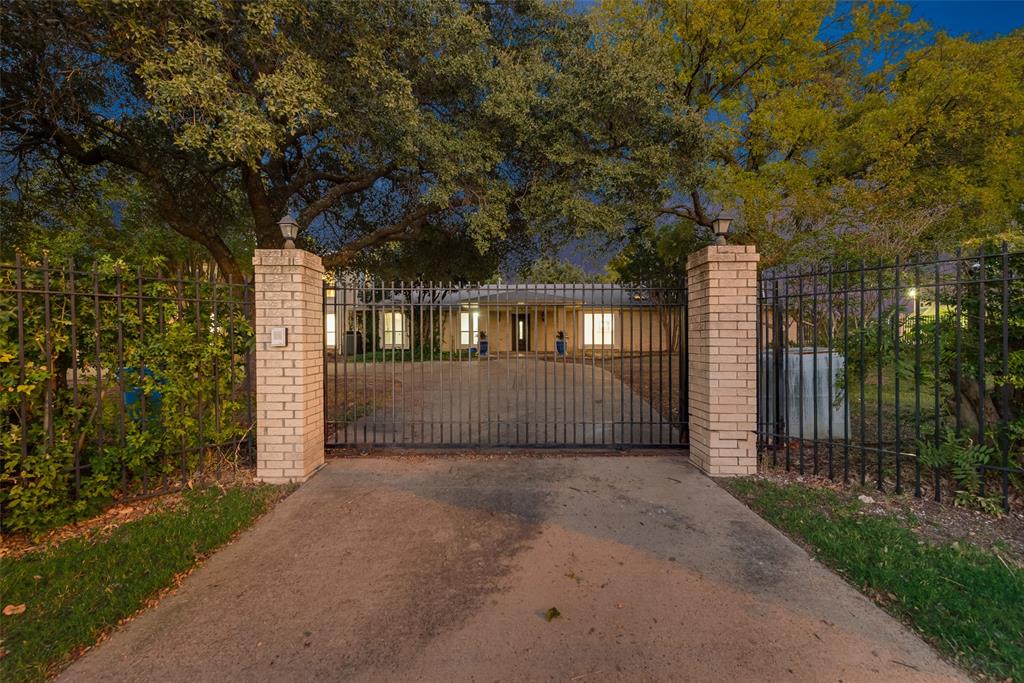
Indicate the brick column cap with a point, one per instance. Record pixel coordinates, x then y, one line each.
287 257
722 253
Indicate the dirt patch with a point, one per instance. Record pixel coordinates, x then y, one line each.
937 523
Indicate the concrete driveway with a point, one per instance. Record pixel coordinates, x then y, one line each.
417 569
498 401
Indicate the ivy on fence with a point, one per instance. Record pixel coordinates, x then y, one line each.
115 385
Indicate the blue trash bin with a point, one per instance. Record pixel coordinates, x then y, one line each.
134 393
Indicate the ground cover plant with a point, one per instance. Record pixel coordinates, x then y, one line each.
963 598
60 600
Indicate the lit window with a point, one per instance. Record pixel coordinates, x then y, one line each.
331 327
394 329
469 327
598 329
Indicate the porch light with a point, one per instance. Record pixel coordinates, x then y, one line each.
289 230
721 227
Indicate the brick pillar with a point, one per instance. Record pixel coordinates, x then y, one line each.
289 378
722 285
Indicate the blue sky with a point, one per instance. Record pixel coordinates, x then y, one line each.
980 19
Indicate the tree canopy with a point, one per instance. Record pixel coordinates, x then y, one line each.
374 123
406 132
552 270
841 130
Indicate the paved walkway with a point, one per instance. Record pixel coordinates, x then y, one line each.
420 569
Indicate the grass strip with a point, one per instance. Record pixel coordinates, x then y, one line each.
968 602
75 592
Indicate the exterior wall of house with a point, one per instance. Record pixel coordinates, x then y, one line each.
634 330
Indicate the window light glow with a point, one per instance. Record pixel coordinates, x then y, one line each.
598 329
394 330
469 328
331 327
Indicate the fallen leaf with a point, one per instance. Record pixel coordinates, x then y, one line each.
552 613
11 610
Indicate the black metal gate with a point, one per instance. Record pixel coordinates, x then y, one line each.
505 365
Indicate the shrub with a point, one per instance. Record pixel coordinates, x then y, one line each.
111 382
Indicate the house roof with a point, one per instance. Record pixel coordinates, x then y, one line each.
594 295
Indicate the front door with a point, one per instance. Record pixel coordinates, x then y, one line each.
521 334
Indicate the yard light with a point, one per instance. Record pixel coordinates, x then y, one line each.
721 227
912 292
289 230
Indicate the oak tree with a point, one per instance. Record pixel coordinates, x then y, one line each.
373 123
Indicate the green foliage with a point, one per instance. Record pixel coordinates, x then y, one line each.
376 123
961 457
950 324
958 596
838 129
883 341
440 256
655 253
940 351
83 588
98 216
185 362
549 270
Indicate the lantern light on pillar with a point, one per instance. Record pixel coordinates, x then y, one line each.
289 230
721 227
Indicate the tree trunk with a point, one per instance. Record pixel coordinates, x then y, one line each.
971 405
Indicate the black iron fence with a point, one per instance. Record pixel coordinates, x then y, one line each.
115 384
903 375
422 365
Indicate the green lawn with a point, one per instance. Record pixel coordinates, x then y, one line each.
76 591
401 356
966 601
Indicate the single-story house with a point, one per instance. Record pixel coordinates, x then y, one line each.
514 318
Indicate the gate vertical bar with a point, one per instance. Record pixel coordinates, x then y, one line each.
1004 383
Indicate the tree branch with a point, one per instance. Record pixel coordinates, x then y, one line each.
693 213
339 190
133 160
409 228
